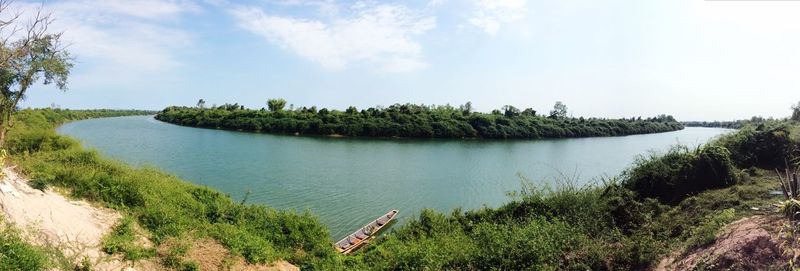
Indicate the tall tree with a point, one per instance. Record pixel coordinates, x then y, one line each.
201 104
29 52
559 110
466 108
796 112
276 105
510 111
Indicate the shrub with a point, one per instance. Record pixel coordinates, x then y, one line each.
680 173
41 181
767 145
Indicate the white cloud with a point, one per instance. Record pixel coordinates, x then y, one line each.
489 15
118 38
377 35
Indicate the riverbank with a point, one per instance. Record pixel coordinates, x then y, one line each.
164 220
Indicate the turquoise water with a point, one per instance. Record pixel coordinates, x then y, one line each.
348 182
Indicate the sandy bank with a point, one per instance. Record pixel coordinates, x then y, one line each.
52 220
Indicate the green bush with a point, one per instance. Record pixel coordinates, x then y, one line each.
680 173
769 145
41 181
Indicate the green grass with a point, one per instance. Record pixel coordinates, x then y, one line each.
16 254
123 239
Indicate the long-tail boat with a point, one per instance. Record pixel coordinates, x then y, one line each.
363 235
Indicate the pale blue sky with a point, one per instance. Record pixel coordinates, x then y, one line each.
694 59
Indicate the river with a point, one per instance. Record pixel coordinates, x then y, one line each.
347 182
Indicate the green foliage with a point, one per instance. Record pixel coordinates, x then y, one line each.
27 59
276 105
123 239
767 145
706 232
409 120
15 254
559 111
681 172
41 181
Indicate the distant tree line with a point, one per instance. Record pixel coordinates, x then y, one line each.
736 124
411 120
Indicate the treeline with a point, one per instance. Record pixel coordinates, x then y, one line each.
736 124
410 120
57 115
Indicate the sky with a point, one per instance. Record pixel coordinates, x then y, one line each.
693 59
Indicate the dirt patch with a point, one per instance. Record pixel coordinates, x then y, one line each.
210 255
752 243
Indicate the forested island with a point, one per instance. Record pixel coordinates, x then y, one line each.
412 121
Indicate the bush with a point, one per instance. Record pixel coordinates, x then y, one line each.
41 181
681 173
767 145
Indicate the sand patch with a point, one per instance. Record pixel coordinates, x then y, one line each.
49 219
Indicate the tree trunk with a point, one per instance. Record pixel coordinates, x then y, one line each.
5 124
3 131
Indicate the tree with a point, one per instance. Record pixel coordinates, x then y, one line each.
28 52
559 110
201 104
796 112
510 111
529 112
276 105
466 108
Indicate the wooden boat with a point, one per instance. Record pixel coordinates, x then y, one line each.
363 235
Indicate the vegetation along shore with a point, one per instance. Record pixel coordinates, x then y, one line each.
677 201
410 120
